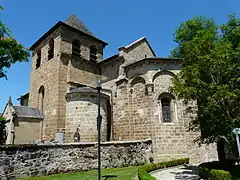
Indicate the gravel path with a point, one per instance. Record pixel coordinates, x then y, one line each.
188 172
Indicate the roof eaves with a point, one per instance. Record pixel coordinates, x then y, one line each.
109 59
58 24
33 117
135 42
20 113
152 59
24 95
138 41
46 34
4 109
150 47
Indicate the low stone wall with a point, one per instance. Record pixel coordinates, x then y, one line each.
33 160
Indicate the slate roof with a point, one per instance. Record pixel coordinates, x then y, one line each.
72 22
78 24
128 47
26 95
83 89
109 59
28 112
154 59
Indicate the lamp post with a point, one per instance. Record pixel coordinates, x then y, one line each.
99 122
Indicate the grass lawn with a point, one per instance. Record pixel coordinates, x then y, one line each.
127 173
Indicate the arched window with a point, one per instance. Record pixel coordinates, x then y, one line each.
41 98
51 49
38 61
166 107
76 48
93 53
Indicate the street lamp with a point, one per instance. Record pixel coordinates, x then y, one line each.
99 122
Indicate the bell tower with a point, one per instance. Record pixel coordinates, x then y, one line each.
66 55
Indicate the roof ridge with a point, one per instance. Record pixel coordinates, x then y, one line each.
76 23
135 42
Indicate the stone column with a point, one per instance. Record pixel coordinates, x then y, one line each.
160 111
149 94
121 119
173 111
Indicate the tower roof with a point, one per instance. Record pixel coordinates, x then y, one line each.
76 23
73 23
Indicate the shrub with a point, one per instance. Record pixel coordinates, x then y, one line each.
219 175
143 174
204 172
213 171
143 171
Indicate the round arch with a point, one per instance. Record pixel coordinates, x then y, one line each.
41 95
138 80
166 95
163 72
41 89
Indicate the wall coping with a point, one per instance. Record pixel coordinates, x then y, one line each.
80 144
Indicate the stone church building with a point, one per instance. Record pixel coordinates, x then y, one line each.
136 103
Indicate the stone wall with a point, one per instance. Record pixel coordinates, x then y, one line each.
82 112
137 113
34 160
136 51
55 74
47 76
85 43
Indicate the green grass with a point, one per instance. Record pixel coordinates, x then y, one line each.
127 173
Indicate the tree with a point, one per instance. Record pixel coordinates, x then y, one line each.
10 50
210 77
2 130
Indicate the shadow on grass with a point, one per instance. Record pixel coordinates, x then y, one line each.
188 172
235 172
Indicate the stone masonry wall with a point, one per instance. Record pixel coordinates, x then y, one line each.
82 112
47 75
136 52
138 114
121 122
35 160
140 123
56 74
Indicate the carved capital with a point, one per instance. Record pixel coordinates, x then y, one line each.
149 89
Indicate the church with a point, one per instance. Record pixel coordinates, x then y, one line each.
135 100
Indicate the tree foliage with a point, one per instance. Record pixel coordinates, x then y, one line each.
210 75
2 130
11 51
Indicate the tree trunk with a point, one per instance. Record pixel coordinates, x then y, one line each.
221 152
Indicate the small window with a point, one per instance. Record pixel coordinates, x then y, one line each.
41 98
38 61
51 49
166 110
76 48
93 53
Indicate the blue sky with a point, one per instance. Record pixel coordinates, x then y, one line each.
116 22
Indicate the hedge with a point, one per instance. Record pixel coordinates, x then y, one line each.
143 171
213 171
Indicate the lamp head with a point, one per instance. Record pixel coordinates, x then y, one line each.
99 87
